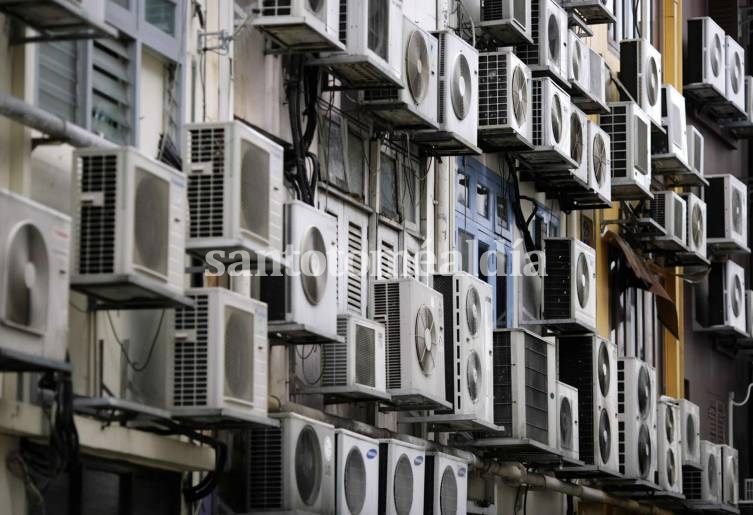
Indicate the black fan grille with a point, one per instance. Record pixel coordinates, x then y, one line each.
402 486
387 311
354 479
265 469
308 465
558 281
96 223
448 492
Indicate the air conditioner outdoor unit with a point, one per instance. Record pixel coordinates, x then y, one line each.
34 267
670 211
569 286
590 364
735 81
727 199
303 25
696 226
446 484
730 476
669 448
508 21
705 66
592 99
593 12
401 478
567 420
629 130
357 473
291 468
749 97
599 161
414 105
705 484
749 311
302 300
637 418
62 19
669 149
641 72
579 143
548 52
505 102
578 64
130 224
235 191
690 417
695 151
413 318
726 303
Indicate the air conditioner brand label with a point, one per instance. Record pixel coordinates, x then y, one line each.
371 454
461 472
327 448
418 461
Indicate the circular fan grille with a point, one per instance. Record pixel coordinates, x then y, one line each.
599 157
556 121
690 434
239 377
417 66
671 466
696 226
473 310
644 392
403 486
473 376
604 370
27 279
308 465
716 55
712 478
732 469
644 451
583 279
653 82
315 5
519 95
737 211
426 339
576 139
605 437
313 265
669 424
460 88
354 480
737 74
577 59
448 493
737 296
553 38
566 423
150 223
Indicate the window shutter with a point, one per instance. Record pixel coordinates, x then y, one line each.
112 90
58 79
355 267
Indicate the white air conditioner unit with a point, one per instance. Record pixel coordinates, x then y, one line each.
235 191
413 105
705 484
730 476
303 25
599 161
735 81
599 76
670 211
468 346
292 468
690 418
726 303
641 72
525 406
695 151
446 484
593 12
578 63
749 311
216 363
548 53
749 97
130 221
401 479
567 420
637 418
413 318
62 19
302 300
705 66
505 100
669 448
357 473
670 148
727 199
34 267
579 143
590 364
507 21
551 127
696 225
570 285
629 130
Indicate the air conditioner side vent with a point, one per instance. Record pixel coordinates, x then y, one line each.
206 146
96 224
558 280
265 469
191 356
387 311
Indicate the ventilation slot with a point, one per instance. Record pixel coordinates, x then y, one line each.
96 229
538 119
206 181
492 10
387 311
190 369
276 7
264 472
576 368
442 76
502 360
558 280
658 208
615 124
493 93
537 389
335 364
364 358
355 267
387 263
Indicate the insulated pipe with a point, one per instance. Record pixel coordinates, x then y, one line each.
54 126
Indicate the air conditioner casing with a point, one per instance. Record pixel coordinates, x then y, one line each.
301 25
705 65
578 63
735 73
696 225
670 211
641 72
508 21
551 126
39 275
705 484
599 160
637 418
356 494
726 301
398 495
579 143
696 148
727 199
690 419
446 484
567 420
670 148
629 129
570 285
551 58
730 476
749 311
749 97
669 447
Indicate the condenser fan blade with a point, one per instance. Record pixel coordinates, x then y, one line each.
417 67
556 114
583 278
448 493
669 423
599 159
566 422
473 373
644 451
461 87
308 464
716 55
27 279
354 481
425 339
671 466
576 139
314 266
653 81
473 310
239 377
697 226
605 437
644 392
737 296
553 38
519 95
604 370
403 486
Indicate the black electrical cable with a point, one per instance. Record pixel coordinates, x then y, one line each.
520 220
152 345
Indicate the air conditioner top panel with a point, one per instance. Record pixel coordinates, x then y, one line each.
296 416
403 443
357 436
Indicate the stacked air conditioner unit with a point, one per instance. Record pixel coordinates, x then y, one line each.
593 12
414 104
726 303
413 318
567 420
735 81
599 160
641 72
670 148
637 419
630 131
446 484
402 475
705 66
34 267
749 311
590 364
291 468
235 192
727 198
696 226
301 25
749 97
696 149
62 20
690 420
468 346
578 65
669 448
569 286
303 299
730 476
579 143
507 21
670 211
130 221
548 52
592 98
705 484
357 473
505 101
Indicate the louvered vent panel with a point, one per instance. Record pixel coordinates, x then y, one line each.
558 280
265 489
387 263
381 94
492 10
691 483
445 285
529 53
615 124
502 359
276 7
537 389
355 267
493 94
576 368
442 76
190 369
697 153
538 116
96 229
335 364
387 311
621 409
658 208
206 190
343 22
365 359
678 217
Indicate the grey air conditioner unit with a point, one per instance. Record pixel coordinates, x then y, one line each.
446 484
730 476
235 191
356 473
696 149
402 477
696 226
669 447
749 98
130 220
59 20
629 130
705 484
567 420
590 364
641 73
705 66
301 25
669 149
670 211
413 318
690 435
593 99
578 64
727 200
637 418
735 74
599 159
291 468
505 101
548 53
749 311
507 21
34 267
726 302
579 143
